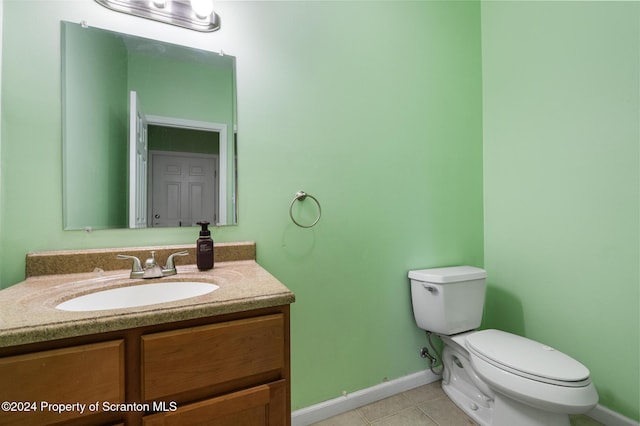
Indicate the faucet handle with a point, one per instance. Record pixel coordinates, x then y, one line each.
170 268
136 267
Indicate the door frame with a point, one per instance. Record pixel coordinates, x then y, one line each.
207 126
138 153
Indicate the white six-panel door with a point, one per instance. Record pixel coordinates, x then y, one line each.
183 188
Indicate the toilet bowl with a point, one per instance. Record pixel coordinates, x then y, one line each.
496 377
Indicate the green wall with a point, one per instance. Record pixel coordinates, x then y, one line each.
561 164
376 108
208 97
378 117
183 140
2 199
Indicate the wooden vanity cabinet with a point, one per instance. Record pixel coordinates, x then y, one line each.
230 370
53 386
259 405
193 362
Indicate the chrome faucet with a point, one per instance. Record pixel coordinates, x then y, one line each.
151 268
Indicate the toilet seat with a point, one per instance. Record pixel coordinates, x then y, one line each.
508 371
527 358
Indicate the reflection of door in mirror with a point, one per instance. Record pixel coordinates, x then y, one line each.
138 157
182 187
186 178
173 170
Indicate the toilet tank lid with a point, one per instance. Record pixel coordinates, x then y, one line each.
449 274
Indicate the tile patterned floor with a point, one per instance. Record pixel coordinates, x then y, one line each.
423 406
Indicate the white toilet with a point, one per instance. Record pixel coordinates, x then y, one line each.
497 378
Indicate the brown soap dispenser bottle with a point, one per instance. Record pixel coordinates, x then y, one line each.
204 248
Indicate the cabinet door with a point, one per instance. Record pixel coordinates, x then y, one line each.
262 405
79 375
194 358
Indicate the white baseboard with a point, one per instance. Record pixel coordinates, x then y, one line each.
333 407
610 418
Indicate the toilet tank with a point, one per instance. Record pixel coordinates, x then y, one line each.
448 300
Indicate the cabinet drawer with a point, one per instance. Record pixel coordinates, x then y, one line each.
198 357
80 374
257 406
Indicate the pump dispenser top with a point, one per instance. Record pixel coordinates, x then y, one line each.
204 247
204 232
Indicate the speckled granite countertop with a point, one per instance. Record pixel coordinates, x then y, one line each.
28 313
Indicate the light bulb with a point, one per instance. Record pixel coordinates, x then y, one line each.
202 8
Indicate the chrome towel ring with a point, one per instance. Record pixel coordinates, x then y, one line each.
301 196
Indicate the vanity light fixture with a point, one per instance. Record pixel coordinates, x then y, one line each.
193 14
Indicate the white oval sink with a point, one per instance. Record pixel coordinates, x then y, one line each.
137 295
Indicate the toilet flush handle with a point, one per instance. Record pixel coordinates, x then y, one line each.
430 289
